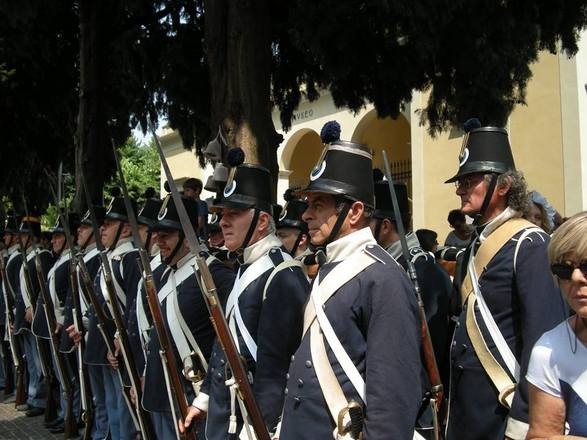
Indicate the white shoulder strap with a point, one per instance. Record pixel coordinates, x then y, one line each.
526 236
281 266
233 314
504 349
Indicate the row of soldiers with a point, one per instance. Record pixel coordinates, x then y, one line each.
317 299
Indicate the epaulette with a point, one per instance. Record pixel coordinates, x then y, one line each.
378 253
276 255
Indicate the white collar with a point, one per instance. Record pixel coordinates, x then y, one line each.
255 251
12 249
496 222
345 246
395 249
122 247
89 248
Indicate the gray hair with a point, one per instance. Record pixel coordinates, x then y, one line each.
340 202
518 198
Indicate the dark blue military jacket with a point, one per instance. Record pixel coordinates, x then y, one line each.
524 304
67 345
47 260
276 325
195 313
62 285
125 270
134 337
375 316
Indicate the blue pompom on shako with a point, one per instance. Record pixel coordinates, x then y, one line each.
484 150
330 132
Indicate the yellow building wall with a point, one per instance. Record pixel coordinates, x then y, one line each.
536 139
536 132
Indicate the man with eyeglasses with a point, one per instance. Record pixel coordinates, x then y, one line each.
507 297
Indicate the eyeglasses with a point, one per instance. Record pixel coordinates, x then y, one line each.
468 182
565 270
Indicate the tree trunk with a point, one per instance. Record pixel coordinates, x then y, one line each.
238 44
91 124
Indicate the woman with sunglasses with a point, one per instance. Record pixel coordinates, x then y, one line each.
557 374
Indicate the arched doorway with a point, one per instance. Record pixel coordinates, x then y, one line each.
393 136
300 155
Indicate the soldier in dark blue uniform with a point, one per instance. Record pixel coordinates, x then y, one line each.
264 309
29 233
139 320
10 287
58 284
507 294
357 370
435 283
94 353
185 317
122 256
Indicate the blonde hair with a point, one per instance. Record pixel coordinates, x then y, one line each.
569 241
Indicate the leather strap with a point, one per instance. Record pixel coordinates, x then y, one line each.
501 380
489 249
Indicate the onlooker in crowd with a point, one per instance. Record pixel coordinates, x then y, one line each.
557 373
540 212
192 188
461 234
428 240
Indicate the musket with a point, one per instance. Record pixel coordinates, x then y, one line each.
436 390
70 425
87 413
166 349
112 299
44 356
208 289
17 357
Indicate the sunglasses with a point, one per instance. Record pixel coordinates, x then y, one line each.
565 270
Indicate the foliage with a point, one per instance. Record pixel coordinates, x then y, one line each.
141 168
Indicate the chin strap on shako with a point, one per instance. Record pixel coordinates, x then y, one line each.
490 189
175 249
296 244
320 254
241 250
87 241
117 236
148 240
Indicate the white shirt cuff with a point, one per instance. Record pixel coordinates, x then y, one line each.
516 429
201 401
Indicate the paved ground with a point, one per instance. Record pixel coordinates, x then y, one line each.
15 425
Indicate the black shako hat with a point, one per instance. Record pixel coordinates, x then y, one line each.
12 223
384 203
168 218
485 149
291 215
117 210
73 221
31 224
100 213
250 188
150 211
344 170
